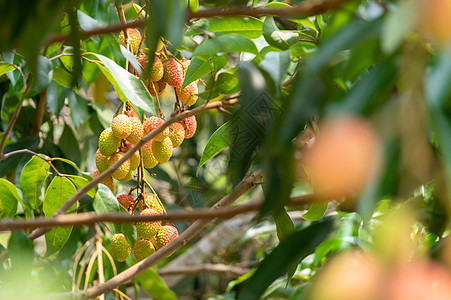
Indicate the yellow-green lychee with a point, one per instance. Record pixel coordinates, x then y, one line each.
153 123
127 177
134 159
120 125
125 200
188 95
107 181
147 230
162 151
149 159
120 248
190 125
176 134
108 144
102 161
123 169
151 201
134 36
157 70
159 86
173 73
136 130
143 248
166 234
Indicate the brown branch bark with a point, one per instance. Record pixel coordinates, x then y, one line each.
246 185
39 115
10 126
206 268
306 9
214 105
91 218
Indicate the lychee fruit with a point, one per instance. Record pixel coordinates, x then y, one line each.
151 201
120 248
134 36
125 200
162 151
132 113
123 169
107 181
102 161
166 234
146 230
134 159
173 73
176 134
136 130
190 125
143 248
185 64
188 95
149 159
127 177
151 124
157 71
120 125
108 144
159 86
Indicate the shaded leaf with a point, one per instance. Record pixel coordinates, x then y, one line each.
200 67
32 179
42 78
64 78
217 142
225 44
275 37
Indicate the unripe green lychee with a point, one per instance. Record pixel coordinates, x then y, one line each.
173 73
151 124
176 134
123 169
108 144
120 248
102 161
143 248
107 181
149 159
120 125
151 201
134 159
166 234
157 71
162 151
125 200
188 95
127 177
146 230
136 130
190 125
134 36
159 86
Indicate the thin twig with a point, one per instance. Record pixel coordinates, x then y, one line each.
206 268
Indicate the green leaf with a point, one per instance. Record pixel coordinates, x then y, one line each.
80 182
5 68
152 283
226 83
294 248
21 254
316 211
285 227
226 44
194 5
248 27
42 78
217 142
275 37
70 145
9 196
58 192
200 67
32 179
64 78
276 64
128 86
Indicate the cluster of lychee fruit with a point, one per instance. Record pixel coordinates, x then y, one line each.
151 235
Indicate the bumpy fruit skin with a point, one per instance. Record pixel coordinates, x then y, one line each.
151 124
173 73
134 159
159 86
190 125
162 151
132 113
157 71
151 201
185 64
108 144
176 134
136 130
127 177
120 248
107 181
125 200
120 125
149 159
143 248
134 37
102 161
188 95
166 234
147 230
123 169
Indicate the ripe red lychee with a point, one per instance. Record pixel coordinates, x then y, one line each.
176 134
166 234
151 124
125 200
173 73
107 181
190 125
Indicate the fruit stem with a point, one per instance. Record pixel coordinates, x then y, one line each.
158 101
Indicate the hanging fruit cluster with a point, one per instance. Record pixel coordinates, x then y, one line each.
127 129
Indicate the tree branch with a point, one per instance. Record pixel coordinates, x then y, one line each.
91 218
206 268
